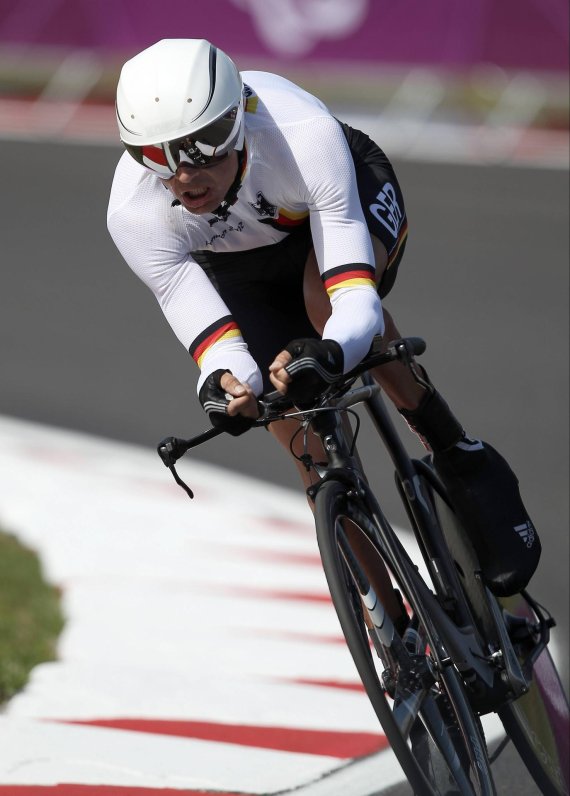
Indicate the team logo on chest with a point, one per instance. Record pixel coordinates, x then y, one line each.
263 207
279 218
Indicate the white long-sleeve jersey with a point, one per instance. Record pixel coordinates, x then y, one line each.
297 165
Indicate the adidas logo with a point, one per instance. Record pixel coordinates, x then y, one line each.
526 532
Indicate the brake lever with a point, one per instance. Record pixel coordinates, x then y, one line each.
170 450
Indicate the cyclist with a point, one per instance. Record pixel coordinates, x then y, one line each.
270 232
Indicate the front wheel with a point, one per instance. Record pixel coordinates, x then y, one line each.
420 704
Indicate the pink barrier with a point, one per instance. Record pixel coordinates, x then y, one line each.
530 34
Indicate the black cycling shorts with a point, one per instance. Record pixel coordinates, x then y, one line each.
263 287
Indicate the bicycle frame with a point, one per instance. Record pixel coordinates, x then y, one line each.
465 626
461 643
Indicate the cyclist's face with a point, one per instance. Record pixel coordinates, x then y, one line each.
201 189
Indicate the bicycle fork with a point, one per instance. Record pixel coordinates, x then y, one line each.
407 677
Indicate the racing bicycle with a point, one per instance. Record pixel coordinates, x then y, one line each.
461 652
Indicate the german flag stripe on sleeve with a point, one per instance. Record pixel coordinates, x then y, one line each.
224 329
348 276
402 237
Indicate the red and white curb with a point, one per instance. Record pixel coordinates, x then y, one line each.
200 651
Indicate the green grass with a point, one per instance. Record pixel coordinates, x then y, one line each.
30 616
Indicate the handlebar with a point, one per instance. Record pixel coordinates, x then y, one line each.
274 404
399 350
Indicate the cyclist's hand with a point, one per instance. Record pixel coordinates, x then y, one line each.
230 404
243 401
305 368
277 373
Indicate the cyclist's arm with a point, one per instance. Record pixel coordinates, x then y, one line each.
158 253
341 239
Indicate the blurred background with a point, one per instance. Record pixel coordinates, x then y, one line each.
471 63
469 98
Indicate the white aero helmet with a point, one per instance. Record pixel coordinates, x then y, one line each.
180 100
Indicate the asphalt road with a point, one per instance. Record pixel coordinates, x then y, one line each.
484 281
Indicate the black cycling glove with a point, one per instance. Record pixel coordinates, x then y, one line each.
315 365
215 402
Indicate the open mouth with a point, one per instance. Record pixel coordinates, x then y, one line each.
194 197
